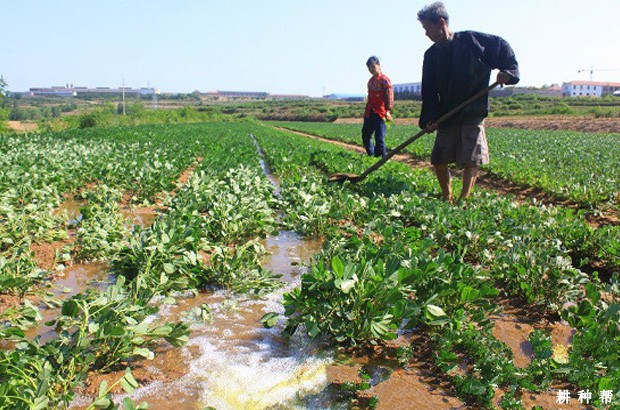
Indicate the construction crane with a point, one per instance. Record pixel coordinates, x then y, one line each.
592 70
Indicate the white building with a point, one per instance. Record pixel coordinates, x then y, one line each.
589 88
71 91
407 89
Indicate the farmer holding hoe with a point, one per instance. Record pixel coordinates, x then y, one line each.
456 67
380 102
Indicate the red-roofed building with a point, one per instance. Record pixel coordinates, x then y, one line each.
589 88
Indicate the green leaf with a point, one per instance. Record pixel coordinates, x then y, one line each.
114 331
337 266
70 308
142 328
163 330
312 328
168 268
144 352
347 285
435 311
469 293
41 403
270 319
128 404
102 403
103 388
592 293
128 383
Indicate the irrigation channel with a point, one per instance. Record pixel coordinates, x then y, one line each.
231 361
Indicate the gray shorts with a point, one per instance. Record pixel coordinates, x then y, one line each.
464 144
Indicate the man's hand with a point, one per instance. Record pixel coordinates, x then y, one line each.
503 78
388 116
431 127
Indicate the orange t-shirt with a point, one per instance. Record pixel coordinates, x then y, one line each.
380 95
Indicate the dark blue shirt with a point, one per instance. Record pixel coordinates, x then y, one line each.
455 70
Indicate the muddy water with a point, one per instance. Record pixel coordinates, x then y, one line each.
73 280
231 360
265 166
141 218
72 207
136 217
515 332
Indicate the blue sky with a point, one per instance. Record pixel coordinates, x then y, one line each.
286 46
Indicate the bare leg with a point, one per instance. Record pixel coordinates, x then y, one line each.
470 174
443 176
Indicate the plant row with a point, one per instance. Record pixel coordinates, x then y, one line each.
579 166
209 235
398 259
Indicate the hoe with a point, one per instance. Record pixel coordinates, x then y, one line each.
340 177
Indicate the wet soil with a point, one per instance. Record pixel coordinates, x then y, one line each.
74 279
415 386
45 252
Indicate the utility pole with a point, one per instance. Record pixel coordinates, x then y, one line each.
123 95
592 70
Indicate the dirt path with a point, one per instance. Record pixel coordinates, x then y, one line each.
522 193
557 122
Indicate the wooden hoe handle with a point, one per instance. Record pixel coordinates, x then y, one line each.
444 117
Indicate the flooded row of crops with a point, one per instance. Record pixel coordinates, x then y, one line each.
231 361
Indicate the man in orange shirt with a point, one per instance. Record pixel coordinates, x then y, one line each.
378 106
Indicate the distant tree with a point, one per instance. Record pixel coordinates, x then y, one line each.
2 88
4 111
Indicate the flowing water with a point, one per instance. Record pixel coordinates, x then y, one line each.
231 361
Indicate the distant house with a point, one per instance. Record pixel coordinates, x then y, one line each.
252 95
288 97
71 91
589 88
259 95
345 97
51 91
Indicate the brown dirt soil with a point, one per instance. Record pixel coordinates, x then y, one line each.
145 215
583 124
45 253
22 126
165 366
9 301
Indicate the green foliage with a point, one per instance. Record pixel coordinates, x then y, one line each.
102 227
4 112
104 396
395 258
524 250
574 165
97 330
